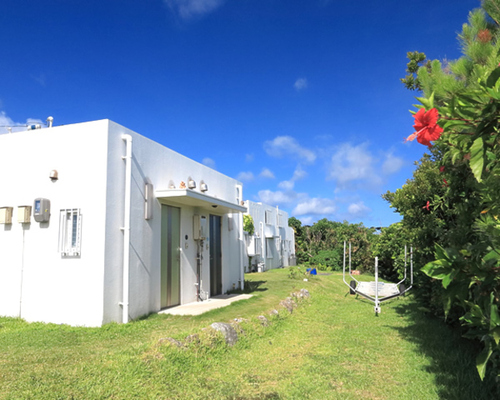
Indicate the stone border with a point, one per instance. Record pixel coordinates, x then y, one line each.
230 331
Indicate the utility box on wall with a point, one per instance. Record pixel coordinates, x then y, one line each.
24 214
41 209
199 227
6 215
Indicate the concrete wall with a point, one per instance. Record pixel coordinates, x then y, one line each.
160 166
275 239
39 284
36 282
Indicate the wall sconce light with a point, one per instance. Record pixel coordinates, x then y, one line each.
54 176
148 200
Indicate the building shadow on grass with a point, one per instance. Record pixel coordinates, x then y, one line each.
250 287
452 358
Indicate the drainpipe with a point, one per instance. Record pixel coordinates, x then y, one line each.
126 228
242 248
263 245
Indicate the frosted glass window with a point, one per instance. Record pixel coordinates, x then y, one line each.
70 232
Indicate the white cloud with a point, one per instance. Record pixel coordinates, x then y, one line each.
392 164
315 206
276 198
191 8
245 176
249 157
287 145
300 84
266 173
208 162
358 209
353 163
299 173
307 220
286 185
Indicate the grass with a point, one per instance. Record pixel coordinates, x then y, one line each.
331 347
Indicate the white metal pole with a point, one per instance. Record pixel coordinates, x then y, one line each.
126 227
376 280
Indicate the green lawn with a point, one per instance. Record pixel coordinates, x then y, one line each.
331 347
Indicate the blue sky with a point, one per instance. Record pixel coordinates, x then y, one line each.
298 99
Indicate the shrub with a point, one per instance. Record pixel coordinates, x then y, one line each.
328 260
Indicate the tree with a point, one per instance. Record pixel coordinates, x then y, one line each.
389 248
417 59
248 225
322 243
465 94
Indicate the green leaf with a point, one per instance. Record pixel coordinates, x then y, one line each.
453 124
492 255
493 93
494 315
493 78
455 154
495 333
440 252
447 305
477 158
427 103
449 278
482 359
438 269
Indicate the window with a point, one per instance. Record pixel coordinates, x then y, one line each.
269 248
257 245
280 220
70 231
268 217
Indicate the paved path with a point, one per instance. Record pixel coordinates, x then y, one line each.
201 307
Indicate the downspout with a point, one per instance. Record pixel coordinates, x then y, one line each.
22 277
280 250
263 245
126 227
242 248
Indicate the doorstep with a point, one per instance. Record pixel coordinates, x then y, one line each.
200 307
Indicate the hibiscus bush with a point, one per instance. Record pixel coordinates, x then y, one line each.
459 119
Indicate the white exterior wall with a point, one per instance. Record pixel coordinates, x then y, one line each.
275 239
160 166
36 282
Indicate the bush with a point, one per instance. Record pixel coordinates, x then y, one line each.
328 260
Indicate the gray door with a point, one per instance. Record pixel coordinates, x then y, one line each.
215 256
170 256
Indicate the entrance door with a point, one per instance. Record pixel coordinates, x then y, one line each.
170 256
215 256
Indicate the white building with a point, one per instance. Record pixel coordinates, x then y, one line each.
273 243
100 224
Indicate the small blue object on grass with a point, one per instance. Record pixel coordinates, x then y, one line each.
312 271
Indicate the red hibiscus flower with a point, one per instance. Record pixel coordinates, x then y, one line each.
426 127
426 207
